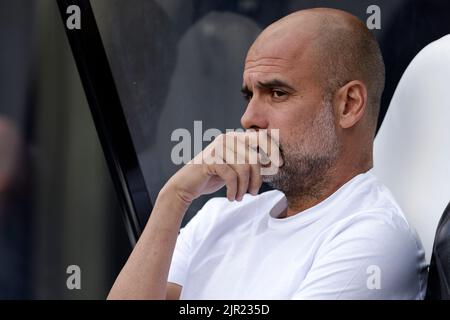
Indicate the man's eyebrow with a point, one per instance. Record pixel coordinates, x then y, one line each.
275 83
270 84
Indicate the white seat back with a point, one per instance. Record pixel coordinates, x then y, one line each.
412 147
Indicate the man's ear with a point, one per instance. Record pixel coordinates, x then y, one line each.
351 102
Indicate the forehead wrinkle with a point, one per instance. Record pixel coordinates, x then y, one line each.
281 54
264 69
268 61
248 60
266 64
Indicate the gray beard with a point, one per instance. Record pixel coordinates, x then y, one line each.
304 178
308 162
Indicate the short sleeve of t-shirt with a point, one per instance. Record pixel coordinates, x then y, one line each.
188 236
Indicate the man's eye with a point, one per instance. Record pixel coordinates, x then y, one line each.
247 96
278 93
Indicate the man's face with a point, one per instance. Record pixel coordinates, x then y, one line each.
285 93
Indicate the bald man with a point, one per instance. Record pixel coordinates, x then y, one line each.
330 229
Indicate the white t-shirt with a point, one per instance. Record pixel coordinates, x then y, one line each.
356 244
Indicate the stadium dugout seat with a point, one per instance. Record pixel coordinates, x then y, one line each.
412 156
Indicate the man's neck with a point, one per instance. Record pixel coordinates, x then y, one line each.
336 178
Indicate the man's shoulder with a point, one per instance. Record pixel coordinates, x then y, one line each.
384 228
372 204
370 213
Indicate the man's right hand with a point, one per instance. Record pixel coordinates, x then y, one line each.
237 165
235 160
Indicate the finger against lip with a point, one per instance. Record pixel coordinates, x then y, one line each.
261 142
244 152
264 158
268 148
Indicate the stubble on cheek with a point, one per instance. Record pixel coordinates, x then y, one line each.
307 155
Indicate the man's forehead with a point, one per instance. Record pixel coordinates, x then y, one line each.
286 48
266 65
277 53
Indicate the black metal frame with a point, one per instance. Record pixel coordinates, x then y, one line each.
110 122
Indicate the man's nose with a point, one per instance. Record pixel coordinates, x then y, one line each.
254 116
